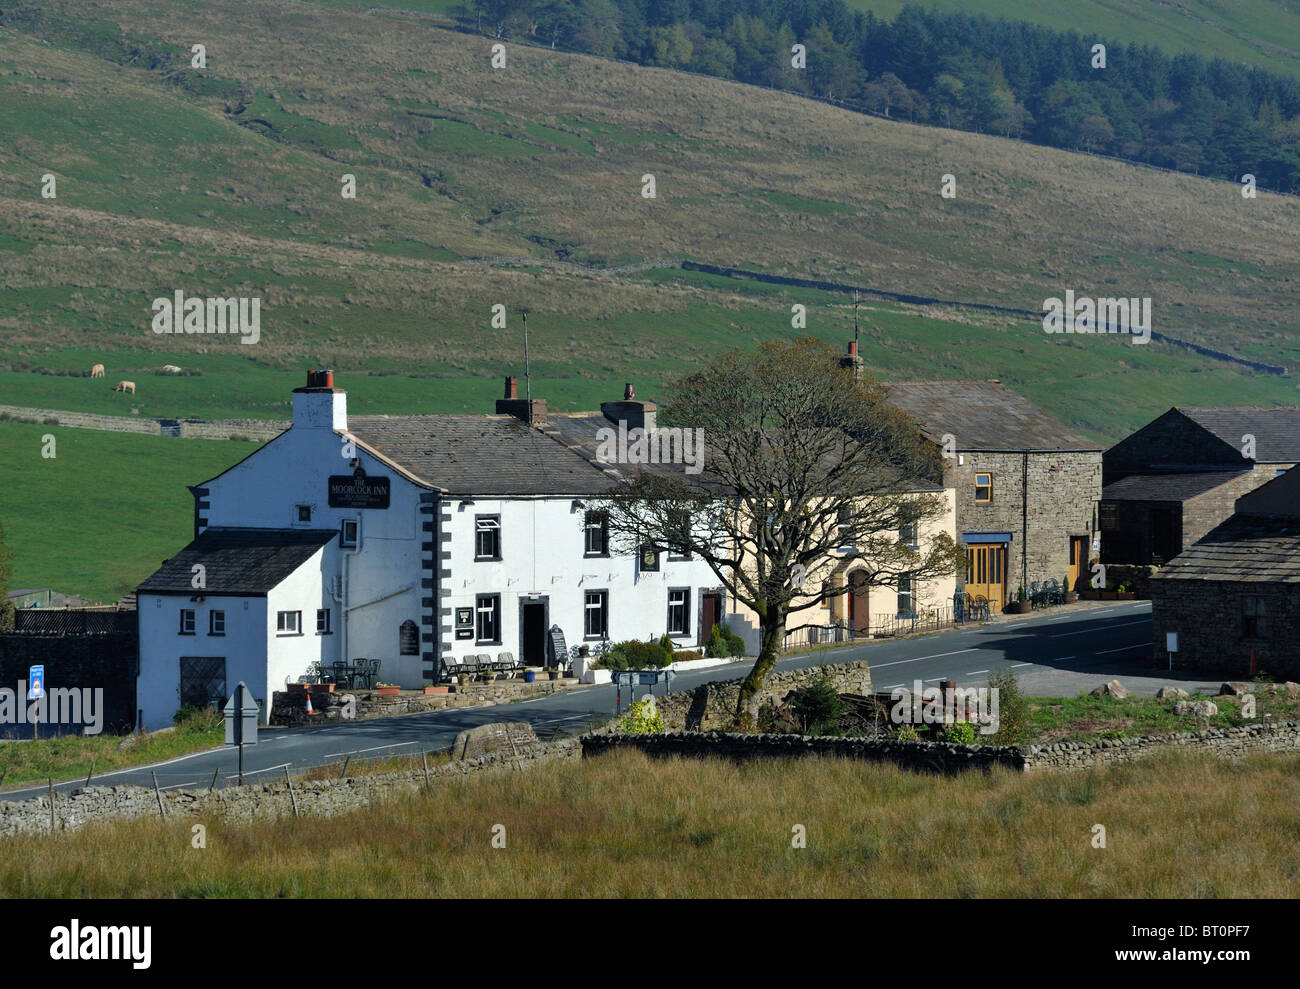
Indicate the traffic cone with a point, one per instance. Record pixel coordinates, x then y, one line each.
309 707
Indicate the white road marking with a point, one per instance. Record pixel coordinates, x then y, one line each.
1014 665
1090 631
900 662
375 748
974 672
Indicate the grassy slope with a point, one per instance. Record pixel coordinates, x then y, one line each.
625 826
97 518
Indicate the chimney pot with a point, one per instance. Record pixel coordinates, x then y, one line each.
853 348
629 392
512 388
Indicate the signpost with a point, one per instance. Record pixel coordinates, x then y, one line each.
241 722
631 678
35 691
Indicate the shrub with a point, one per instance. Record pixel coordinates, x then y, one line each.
644 655
960 733
685 654
723 643
642 718
612 659
907 733
666 644
1013 709
818 706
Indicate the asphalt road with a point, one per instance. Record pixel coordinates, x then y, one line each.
1099 641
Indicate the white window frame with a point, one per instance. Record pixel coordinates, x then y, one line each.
280 626
188 624
217 617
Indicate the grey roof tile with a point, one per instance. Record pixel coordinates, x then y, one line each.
983 415
245 562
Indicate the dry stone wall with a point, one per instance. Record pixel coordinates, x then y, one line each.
261 801
710 706
217 429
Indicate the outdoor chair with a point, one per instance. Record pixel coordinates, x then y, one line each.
506 663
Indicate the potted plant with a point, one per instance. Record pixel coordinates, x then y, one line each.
1125 593
487 676
462 679
1071 596
1021 605
554 673
387 689
430 689
530 676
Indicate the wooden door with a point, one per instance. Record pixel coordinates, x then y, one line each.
986 573
1078 559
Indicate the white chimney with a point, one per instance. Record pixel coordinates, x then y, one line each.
320 405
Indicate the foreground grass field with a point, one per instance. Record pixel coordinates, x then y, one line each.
74 756
622 826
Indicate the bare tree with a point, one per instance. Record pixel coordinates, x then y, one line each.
804 465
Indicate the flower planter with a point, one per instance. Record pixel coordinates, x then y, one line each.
436 690
388 691
1019 608
554 674
315 688
1126 595
529 676
1071 597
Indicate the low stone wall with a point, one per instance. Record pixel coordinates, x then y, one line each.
256 801
710 707
938 757
944 757
216 429
289 709
1230 743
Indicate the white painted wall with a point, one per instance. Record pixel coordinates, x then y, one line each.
161 647
542 553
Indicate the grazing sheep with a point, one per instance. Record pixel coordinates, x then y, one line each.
169 369
125 386
97 371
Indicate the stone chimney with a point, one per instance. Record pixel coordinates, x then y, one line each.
637 415
320 405
852 361
533 413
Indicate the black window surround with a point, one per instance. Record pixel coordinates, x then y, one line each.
595 603
487 620
487 537
595 535
323 622
679 611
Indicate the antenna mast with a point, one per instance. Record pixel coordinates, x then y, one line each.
528 373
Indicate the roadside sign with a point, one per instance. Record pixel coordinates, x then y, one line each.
36 683
241 717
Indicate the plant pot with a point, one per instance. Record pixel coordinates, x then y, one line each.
388 691
1126 595
529 676
1109 595
554 674
1018 608
436 690
1071 597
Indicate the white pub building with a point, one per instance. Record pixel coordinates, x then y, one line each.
412 540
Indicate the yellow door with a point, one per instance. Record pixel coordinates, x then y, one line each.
1078 559
986 573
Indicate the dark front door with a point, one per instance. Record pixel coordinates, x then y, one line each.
532 632
1165 544
711 616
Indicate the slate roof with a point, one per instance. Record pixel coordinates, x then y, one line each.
1246 548
983 415
481 455
1276 431
1169 486
244 562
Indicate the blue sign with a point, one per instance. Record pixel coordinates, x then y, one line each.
36 683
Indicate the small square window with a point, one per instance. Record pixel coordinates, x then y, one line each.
984 488
304 513
322 621
348 533
187 621
288 622
216 623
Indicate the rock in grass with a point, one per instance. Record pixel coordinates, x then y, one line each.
1236 688
1164 693
1198 709
1113 689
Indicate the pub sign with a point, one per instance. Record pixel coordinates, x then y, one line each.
358 491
